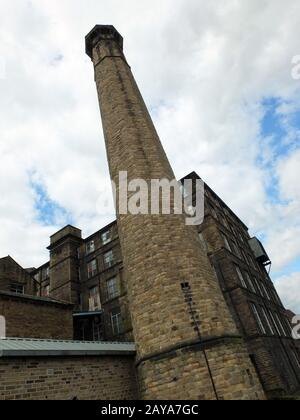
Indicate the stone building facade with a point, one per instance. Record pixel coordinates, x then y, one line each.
251 296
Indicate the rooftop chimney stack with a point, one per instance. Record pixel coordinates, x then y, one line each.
187 344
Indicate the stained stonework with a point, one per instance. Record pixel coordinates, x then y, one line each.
64 279
33 317
68 378
174 296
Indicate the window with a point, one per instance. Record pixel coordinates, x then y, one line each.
266 292
90 247
236 249
109 259
282 330
184 191
46 291
226 242
106 237
267 320
252 262
289 327
257 282
241 237
245 257
258 318
17 288
296 357
276 297
116 321
241 277
92 268
45 273
250 282
274 322
233 230
97 329
112 288
94 299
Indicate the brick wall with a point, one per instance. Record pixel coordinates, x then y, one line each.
12 273
66 378
36 318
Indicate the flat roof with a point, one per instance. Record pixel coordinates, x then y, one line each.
36 299
85 314
22 347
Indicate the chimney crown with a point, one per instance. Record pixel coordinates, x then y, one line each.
101 32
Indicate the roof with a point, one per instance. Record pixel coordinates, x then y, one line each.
28 273
86 314
194 175
35 299
22 347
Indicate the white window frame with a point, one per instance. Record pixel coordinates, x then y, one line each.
17 288
94 270
94 299
274 322
109 262
267 294
258 319
112 288
240 276
267 320
260 290
226 242
283 332
106 239
250 281
296 357
116 323
90 247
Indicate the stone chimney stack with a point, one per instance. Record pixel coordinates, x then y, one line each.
187 343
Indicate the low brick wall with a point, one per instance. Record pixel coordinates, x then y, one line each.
33 317
67 378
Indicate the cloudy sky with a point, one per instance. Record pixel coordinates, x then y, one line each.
219 79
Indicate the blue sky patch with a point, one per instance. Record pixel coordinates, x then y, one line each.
49 212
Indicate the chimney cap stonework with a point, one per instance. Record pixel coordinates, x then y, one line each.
101 32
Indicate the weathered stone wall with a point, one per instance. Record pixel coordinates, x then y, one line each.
12 273
36 318
66 378
185 372
64 264
163 261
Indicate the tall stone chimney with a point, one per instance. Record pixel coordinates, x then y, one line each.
187 344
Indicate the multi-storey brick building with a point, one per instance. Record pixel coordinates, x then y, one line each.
199 303
101 310
242 267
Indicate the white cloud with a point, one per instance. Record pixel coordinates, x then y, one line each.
204 69
288 288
